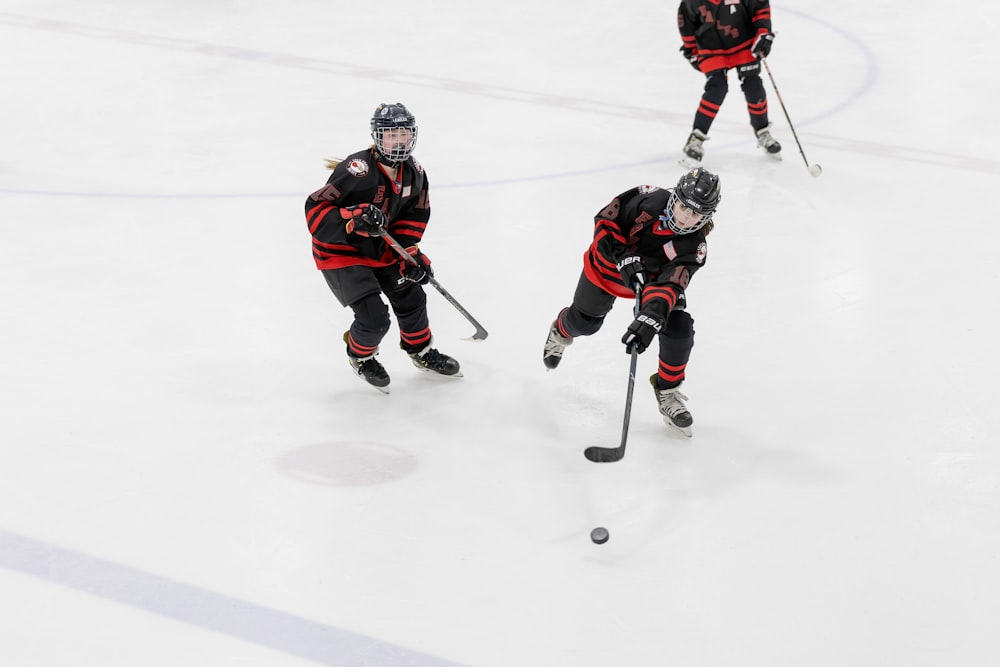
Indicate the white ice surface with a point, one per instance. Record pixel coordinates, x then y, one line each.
190 475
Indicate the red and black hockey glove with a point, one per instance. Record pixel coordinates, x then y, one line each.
642 331
364 220
762 45
419 273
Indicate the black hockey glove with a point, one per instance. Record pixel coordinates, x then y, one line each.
419 273
762 45
633 272
691 57
364 220
642 331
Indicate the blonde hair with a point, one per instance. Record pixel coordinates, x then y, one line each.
331 163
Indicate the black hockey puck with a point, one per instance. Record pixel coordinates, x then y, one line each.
599 535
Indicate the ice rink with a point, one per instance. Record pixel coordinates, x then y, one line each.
190 475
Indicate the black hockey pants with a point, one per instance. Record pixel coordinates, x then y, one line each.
361 287
716 89
590 306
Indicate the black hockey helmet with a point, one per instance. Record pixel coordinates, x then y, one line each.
393 117
698 190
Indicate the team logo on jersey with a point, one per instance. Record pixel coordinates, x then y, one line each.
646 189
639 223
357 167
416 165
701 253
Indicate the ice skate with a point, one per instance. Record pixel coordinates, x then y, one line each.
694 150
554 346
671 403
432 361
770 145
368 369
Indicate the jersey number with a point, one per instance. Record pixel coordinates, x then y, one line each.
611 210
681 276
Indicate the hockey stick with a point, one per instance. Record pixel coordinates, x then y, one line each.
814 169
481 333
612 454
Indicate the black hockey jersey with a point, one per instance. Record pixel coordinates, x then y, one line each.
632 224
360 179
721 32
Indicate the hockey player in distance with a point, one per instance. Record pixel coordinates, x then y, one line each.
380 189
648 242
716 36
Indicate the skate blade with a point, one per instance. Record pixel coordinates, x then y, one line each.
689 162
384 390
685 430
774 156
429 372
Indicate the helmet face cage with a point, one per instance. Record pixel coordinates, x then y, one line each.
389 119
698 190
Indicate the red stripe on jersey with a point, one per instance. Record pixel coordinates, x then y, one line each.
612 284
410 226
315 215
604 228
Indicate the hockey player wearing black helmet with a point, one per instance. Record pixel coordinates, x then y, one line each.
380 189
394 131
648 243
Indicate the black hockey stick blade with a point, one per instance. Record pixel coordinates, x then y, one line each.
604 454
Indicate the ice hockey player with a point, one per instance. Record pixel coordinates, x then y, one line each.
371 192
647 242
716 36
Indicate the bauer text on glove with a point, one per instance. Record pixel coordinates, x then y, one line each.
642 331
633 272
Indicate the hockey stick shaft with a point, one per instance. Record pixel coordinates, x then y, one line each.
628 398
611 454
785 110
481 332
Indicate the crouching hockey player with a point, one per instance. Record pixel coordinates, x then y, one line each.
648 242
380 190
